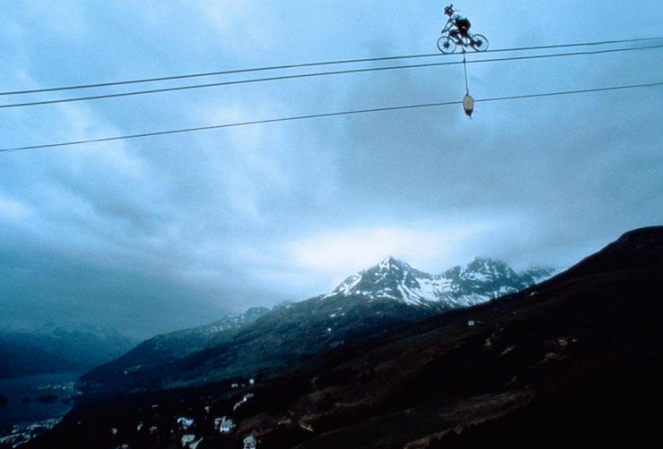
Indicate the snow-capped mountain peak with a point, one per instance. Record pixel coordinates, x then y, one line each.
391 278
391 263
480 280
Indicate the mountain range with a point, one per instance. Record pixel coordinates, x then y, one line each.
574 361
260 341
51 348
477 282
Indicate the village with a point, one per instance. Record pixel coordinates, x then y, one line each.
202 428
20 434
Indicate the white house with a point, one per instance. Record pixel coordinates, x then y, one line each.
227 425
188 439
185 423
250 442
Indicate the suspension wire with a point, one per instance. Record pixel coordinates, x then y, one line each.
311 64
328 114
318 74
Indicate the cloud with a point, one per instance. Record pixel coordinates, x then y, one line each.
13 210
67 18
181 228
434 246
255 19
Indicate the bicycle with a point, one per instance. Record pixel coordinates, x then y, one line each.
451 40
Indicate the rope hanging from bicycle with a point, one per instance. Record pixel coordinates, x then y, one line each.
467 89
468 101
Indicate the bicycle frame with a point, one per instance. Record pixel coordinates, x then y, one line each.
463 39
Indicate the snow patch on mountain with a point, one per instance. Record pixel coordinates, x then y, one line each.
477 282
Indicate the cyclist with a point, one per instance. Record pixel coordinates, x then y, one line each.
457 24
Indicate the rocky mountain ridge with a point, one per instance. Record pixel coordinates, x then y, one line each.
261 341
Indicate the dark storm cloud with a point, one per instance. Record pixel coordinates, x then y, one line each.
156 234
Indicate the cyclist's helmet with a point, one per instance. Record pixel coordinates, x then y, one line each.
449 10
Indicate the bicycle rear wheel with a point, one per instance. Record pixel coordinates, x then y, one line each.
479 42
446 44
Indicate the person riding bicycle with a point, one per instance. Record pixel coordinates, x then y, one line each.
457 24
456 33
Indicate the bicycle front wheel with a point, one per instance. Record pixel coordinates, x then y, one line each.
446 44
479 42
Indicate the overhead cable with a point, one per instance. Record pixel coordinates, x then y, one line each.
320 74
328 114
312 64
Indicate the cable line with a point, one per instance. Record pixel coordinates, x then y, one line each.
319 74
328 114
312 64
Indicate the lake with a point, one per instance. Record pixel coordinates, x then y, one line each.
48 396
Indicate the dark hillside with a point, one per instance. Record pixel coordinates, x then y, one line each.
573 362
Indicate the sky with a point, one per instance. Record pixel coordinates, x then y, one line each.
152 235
